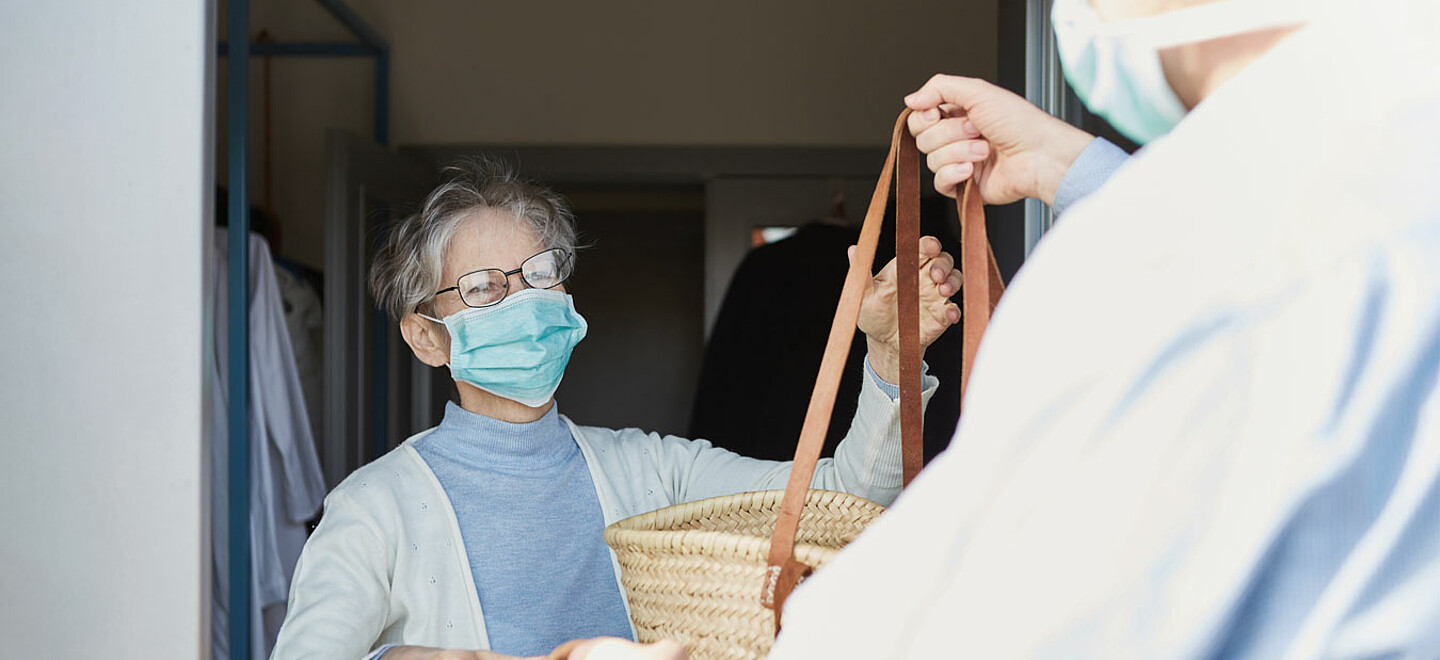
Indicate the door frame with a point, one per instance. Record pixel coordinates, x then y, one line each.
359 170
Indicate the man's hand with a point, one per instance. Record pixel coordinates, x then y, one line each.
969 127
879 317
429 653
611 648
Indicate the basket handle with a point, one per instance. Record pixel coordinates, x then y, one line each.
981 291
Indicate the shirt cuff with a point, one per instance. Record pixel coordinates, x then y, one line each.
375 655
892 391
1091 169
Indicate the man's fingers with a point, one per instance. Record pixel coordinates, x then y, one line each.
947 131
921 121
610 648
965 151
955 90
952 175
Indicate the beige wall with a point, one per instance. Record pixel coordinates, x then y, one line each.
627 72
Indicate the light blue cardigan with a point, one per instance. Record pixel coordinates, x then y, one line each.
387 564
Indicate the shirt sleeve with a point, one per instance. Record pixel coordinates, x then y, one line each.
867 463
1091 169
339 599
892 391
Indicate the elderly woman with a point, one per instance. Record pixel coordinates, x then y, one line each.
485 532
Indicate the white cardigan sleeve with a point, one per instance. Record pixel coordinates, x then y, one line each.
340 596
866 462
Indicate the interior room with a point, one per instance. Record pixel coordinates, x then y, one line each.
463 330
676 132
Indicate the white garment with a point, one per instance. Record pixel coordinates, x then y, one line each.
286 483
1205 420
305 320
387 565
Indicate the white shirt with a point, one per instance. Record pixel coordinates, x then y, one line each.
1205 422
286 483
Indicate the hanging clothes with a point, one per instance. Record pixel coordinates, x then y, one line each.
770 335
286 487
305 320
765 348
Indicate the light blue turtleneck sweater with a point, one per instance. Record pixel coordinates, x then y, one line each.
532 527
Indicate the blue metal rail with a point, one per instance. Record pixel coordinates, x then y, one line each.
238 284
239 334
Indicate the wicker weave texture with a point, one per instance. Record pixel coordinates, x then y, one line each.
693 572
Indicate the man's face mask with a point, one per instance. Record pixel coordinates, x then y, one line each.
1114 66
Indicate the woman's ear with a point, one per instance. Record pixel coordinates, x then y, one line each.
429 340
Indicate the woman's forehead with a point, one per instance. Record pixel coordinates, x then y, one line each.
489 238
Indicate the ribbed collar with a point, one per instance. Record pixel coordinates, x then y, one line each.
477 439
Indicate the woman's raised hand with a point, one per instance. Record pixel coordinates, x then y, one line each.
879 316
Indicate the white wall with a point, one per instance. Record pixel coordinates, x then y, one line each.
104 168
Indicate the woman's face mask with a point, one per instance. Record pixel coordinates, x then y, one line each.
1114 66
518 348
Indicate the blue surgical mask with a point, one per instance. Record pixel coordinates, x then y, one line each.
517 348
1115 68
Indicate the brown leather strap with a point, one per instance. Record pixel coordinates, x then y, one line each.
983 285
785 572
907 266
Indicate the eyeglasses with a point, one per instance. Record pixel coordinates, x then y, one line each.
483 288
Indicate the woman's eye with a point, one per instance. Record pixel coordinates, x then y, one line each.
478 289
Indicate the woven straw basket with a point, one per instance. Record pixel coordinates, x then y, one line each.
693 571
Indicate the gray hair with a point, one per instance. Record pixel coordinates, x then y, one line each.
408 266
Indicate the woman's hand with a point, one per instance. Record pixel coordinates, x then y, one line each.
969 127
879 318
599 648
